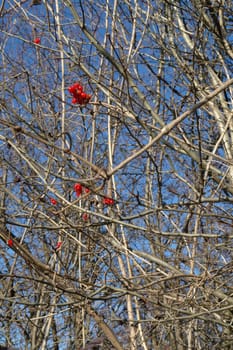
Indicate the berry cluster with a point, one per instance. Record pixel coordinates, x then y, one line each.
79 189
79 96
108 201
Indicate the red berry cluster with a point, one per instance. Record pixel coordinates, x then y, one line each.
79 96
79 189
108 201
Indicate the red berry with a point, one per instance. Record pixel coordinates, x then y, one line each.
53 201
85 217
83 95
78 189
71 89
78 87
10 242
36 41
87 190
58 245
108 201
77 94
74 100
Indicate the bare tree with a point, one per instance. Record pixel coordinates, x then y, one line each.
116 174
